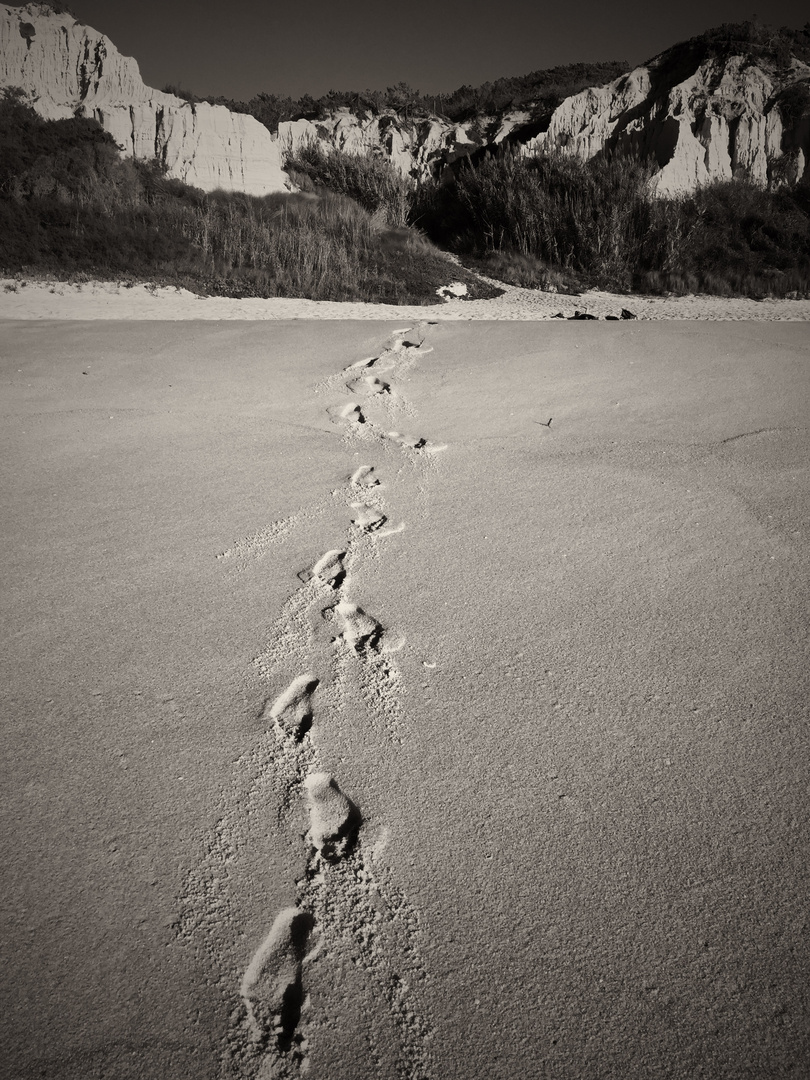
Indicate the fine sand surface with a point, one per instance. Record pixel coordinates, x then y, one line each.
405 700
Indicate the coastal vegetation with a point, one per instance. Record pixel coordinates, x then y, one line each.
558 221
358 230
537 93
70 206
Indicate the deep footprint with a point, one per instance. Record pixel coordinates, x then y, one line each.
368 518
272 988
329 569
291 712
364 477
333 818
359 630
350 413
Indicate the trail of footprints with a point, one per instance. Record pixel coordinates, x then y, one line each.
394 361
345 906
364 381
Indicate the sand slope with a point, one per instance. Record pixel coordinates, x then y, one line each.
405 699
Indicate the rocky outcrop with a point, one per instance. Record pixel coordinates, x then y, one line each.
66 69
416 148
718 120
721 121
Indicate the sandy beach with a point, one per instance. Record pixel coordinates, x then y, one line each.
404 694
41 299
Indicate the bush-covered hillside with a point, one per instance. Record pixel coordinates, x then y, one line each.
357 230
752 39
70 205
559 220
539 92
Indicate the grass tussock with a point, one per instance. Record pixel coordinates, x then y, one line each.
561 222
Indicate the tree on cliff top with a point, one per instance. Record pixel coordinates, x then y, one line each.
752 39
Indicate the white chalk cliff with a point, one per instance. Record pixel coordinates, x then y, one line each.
699 117
67 69
416 148
719 122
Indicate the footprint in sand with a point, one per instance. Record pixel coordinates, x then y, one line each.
329 569
359 630
348 413
272 987
368 384
368 518
364 477
333 818
414 443
366 362
291 712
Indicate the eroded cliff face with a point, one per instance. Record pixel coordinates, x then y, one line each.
699 121
722 121
416 148
719 122
67 69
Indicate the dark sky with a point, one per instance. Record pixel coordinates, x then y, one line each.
240 47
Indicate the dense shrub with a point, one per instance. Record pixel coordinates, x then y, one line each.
597 223
731 238
33 150
369 179
586 219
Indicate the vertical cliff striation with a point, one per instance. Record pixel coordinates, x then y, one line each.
714 118
728 104
415 147
66 69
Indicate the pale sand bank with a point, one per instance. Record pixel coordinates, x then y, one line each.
108 300
429 705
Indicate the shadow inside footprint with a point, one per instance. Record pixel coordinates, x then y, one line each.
272 988
290 1014
304 726
292 1000
291 712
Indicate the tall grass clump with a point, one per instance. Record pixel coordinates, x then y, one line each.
587 219
371 180
730 238
557 221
